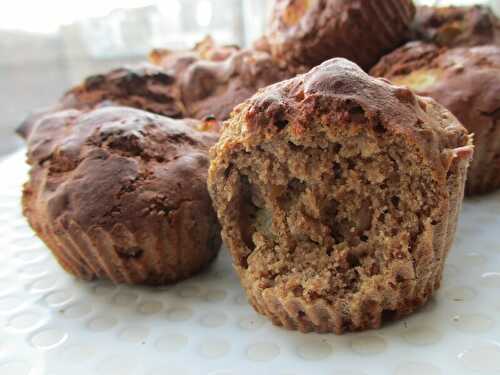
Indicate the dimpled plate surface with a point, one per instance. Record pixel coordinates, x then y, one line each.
52 324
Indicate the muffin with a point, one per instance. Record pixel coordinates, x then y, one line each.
196 84
214 79
118 193
338 197
213 89
146 87
467 82
309 32
456 26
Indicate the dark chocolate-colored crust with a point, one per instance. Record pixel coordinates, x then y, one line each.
279 148
120 193
202 83
467 82
309 32
145 87
456 26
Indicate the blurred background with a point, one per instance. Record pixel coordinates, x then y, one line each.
47 46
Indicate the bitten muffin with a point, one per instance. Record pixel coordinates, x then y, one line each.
338 196
456 26
467 82
120 194
146 87
309 32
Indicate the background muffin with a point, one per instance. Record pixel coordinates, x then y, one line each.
309 32
119 193
205 83
146 87
214 79
467 82
338 196
457 26
214 88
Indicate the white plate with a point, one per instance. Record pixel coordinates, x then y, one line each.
52 324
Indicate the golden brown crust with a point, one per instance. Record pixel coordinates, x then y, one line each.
119 193
467 82
322 158
456 26
309 32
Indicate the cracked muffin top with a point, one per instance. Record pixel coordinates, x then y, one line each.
116 165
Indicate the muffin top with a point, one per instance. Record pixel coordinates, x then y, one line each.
205 83
213 79
309 32
214 88
464 80
339 96
145 87
457 26
116 165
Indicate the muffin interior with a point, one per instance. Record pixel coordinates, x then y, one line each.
321 219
